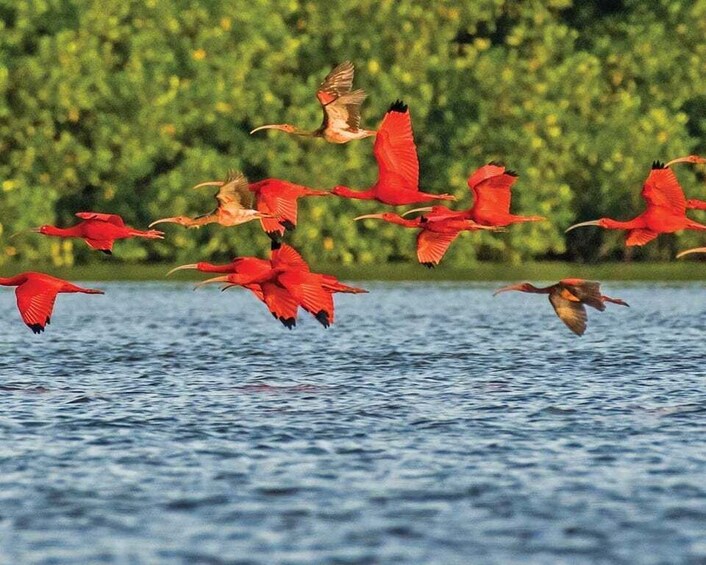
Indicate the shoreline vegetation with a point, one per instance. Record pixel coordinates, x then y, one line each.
407 272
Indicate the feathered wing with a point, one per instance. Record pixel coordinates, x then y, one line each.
281 304
432 246
35 301
283 208
661 188
307 288
588 292
491 186
640 236
286 257
344 112
111 218
339 81
235 191
395 151
573 314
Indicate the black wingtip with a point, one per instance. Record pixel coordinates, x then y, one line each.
288 323
286 224
511 172
429 265
658 165
36 328
274 236
322 317
107 251
275 244
398 106
497 163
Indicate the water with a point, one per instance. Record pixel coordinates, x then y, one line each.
432 423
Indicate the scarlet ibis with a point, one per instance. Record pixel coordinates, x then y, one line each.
36 293
665 213
235 201
283 279
491 186
435 235
341 106
398 165
568 297
692 204
99 231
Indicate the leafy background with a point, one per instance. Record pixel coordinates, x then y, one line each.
123 106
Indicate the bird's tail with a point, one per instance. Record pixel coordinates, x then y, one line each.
695 226
149 234
337 286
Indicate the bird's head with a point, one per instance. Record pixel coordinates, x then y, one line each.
340 190
521 287
386 216
181 220
599 223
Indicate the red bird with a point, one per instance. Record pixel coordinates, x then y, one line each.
99 231
284 283
341 106
398 165
568 297
491 186
435 235
692 204
36 293
665 213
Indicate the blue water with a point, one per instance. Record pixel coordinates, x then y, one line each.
432 423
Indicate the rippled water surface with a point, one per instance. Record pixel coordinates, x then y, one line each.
430 424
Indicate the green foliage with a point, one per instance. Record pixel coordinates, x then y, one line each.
122 107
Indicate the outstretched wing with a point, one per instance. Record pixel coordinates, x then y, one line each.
661 188
394 149
491 189
573 314
640 236
288 257
35 301
308 289
281 304
432 246
588 292
111 218
344 112
338 82
235 191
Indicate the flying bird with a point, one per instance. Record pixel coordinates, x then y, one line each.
435 234
98 230
665 211
283 283
341 106
568 298
691 204
491 186
398 164
36 293
235 201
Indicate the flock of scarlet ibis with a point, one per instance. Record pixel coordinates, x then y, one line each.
284 282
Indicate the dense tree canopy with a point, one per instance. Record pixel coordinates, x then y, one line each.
123 106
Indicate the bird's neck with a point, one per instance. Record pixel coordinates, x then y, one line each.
13 281
609 224
346 192
400 221
538 290
73 231
213 268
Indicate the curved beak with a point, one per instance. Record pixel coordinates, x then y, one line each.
426 209
214 280
182 268
690 159
690 251
269 126
368 216
173 220
209 183
507 288
582 224
32 230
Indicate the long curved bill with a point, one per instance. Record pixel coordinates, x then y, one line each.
368 216
214 280
269 126
507 288
690 251
426 209
182 268
28 230
582 224
173 220
209 183
689 159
